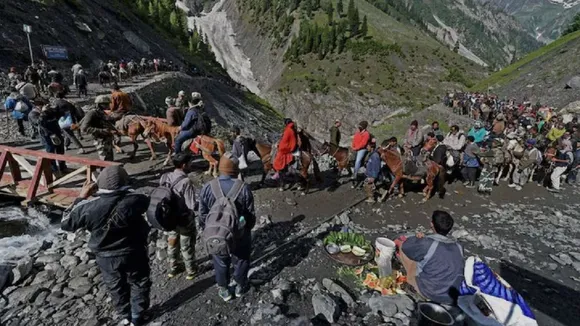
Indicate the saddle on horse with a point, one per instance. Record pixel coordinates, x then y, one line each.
416 165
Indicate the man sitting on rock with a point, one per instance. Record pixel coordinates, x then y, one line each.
118 239
434 263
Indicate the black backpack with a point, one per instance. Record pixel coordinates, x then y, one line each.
166 208
203 124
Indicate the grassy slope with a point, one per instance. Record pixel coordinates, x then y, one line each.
521 67
415 80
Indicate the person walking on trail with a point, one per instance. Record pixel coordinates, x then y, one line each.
414 139
372 171
455 140
239 248
55 76
439 152
69 118
478 133
114 217
470 162
181 101
182 239
498 126
239 150
82 83
51 135
286 148
121 103
532 157
571 178
556 132
101 127
359 146
173 114
434 263
189 127
335 133
26 89
561 161
19 107
75 71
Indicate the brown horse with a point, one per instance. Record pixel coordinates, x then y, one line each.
159 129
209 145
395 162
306 159
132 126
340 154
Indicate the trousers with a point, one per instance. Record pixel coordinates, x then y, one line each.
127 278
469 174
521 179
182 240
556 174
240 256
181 138
54 149
360 155
104 148
70 137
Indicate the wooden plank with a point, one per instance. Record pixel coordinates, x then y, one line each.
35 181
57 157
67 177
27 166
3 161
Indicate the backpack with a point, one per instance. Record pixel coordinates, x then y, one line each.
165 207
202 124
222 221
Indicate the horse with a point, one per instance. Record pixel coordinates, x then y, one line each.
132 126
395 162
106 78
208 145
264 151
159 129
512 152
340 154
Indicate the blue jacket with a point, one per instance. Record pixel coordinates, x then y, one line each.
189 120
478 134
373 168
10 105
244 202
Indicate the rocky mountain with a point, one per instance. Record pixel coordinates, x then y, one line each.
544 19
542 75
477 31
317 61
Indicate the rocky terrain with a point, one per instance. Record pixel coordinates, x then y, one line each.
541 76
544 19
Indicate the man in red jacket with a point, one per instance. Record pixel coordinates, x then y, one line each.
286 147
359 145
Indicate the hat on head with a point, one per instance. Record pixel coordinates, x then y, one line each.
169 100
113 178
195 96
531 142
478 124
228 165
500 117
181 93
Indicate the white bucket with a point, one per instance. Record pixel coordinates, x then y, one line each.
385 248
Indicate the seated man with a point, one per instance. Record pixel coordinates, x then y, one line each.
434 263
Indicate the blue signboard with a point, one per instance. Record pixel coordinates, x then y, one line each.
55 52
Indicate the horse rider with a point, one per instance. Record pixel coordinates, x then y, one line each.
121 103
414 138
173 114
101 127
287 148
392 144
181 101
455 141
359 146
189 128
439 152
335 133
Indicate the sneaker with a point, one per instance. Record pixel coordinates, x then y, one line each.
470 185
224 293
81 151
553 190
466 183
240 290
371 200
518 188
512 185
125 322
190 276
173 272
276 176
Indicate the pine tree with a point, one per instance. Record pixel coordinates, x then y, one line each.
153 11
364 29
355 24
339 8
332 38
141 9
341 43
330 12
173 22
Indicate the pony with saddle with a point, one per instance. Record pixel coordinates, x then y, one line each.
433 173
208 146
342 156
132 126
306 159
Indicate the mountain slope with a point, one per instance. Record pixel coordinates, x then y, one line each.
545 19
541 75
316 71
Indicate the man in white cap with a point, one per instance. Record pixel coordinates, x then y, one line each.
181 101
118 239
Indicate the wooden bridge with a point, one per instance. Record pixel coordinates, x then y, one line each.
30 175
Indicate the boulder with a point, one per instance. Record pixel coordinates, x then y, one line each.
48 258
137 42
44 277
325 305
264 313
339 291
573 83
69 261
387 306
21 270
80 285
25 294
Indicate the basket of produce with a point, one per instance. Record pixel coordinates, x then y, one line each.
348 248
